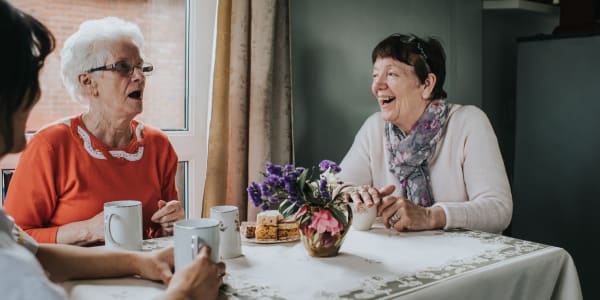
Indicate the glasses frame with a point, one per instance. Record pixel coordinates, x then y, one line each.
146 68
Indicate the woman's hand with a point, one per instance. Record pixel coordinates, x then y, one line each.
167 214
82 233
368 195
199 280
157 265
403 215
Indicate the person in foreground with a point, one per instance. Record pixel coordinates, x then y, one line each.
24 263
426 163
71 168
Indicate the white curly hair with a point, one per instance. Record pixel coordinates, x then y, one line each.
90 47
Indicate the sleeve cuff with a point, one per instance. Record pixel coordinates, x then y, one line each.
456 216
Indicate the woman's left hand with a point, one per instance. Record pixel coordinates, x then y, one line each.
403 215
167 214
156 265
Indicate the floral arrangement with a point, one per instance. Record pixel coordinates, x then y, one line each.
314 198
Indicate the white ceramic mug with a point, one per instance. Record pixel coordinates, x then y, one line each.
191 235
123 224
363 217
231 241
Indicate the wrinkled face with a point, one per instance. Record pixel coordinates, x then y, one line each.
117 94
396 88
19 123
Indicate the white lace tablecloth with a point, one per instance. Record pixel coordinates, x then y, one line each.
382 264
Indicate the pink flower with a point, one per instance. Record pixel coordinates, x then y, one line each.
323 221
301 212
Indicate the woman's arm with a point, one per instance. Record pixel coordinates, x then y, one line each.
31 197
489 205
82 233
200 279
66 262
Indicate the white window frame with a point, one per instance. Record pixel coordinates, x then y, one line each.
191 145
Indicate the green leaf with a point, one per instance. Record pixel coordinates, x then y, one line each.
338 215
287 208
305 218
302 182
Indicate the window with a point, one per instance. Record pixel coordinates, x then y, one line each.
179 39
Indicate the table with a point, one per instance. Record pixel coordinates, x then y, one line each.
381 264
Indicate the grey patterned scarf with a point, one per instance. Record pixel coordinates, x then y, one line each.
408 154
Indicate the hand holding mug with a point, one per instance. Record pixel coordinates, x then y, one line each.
200 279
368 195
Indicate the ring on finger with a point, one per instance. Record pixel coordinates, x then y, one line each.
395 218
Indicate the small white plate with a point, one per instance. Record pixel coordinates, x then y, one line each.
255 241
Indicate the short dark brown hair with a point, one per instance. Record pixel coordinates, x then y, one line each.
27 43
425 55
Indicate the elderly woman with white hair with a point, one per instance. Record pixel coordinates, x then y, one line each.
71 168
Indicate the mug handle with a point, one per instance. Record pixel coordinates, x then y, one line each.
107 228
194 246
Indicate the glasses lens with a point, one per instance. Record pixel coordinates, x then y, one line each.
123 68
147 68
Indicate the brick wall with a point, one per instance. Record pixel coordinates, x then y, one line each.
162 23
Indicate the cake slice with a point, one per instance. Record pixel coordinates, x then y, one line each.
249 229
266 233
287 231
268 218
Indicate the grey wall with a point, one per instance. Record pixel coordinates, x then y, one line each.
555 184
501 28
331 62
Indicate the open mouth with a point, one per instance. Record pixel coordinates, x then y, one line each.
135 95
388 100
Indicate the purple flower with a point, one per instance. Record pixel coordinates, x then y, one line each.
273 169
264 189
323 192
254 193
327 164
288 169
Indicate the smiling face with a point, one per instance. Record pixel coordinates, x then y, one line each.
115 94
398 90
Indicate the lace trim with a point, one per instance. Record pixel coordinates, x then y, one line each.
128 156
87 144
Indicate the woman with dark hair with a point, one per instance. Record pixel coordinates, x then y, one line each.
23 262
426 163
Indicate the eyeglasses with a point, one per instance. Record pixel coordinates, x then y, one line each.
410 40
125 69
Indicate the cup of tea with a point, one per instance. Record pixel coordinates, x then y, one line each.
230 245
363 216
123 225
191 235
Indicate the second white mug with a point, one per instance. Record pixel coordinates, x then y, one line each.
231 242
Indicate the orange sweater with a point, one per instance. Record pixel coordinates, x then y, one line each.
66 175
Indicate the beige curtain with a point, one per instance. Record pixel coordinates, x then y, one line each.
251 120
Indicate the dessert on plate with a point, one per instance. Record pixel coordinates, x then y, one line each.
270 226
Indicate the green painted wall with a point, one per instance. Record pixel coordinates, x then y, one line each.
331 62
